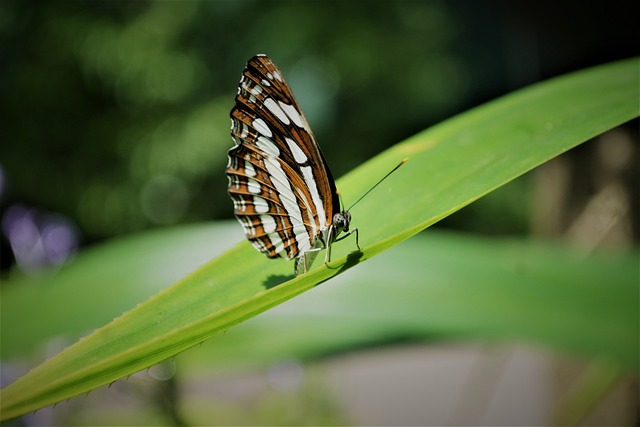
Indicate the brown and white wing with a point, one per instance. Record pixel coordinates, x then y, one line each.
282 189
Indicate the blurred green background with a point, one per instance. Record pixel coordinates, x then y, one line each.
115 114
115 119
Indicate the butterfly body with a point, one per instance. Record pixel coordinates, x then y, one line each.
283 192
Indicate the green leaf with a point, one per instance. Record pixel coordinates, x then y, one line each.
102 283
452 286
451 165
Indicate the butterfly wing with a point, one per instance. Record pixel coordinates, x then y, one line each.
283 192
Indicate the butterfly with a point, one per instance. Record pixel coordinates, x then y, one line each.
283 193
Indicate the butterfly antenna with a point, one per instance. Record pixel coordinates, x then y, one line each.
379 182
340 198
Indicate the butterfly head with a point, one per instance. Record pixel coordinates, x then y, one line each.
341 221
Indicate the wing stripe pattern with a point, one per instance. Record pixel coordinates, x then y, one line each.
282 191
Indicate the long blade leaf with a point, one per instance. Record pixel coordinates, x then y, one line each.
451 165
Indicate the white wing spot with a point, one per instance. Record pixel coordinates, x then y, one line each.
268 223
288 198
245 131
262 127
292 113
259 245
247 226
239 205
277 243
307 174
277 175
248 169
253 186
277 111
261 205
297 152
304 244
234 181
267 146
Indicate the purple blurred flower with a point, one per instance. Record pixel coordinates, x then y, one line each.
38 239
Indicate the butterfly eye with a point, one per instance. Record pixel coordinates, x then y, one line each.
347 219
341 221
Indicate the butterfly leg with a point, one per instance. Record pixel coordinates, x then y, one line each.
303 263
327 257
353 230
